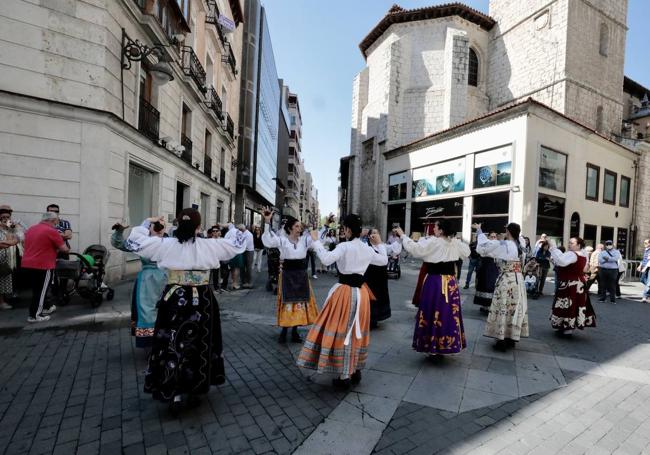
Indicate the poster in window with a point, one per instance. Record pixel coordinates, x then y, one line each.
493 168
552 170
441 178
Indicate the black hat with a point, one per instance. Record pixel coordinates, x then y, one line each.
609 242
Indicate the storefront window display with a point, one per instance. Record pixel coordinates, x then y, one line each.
493 168
550 217
440 178
491 210
424 212
552 170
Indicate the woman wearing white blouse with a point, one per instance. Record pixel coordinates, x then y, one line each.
507 320
376 277
439 322
296 302
571 305
186 356
338 340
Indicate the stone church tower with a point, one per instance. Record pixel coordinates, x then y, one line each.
567 54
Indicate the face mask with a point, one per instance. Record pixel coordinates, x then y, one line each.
609 247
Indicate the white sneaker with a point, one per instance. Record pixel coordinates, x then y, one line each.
38 318
644 300
49 310
5 306
314 277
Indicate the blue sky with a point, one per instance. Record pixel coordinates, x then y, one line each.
317 54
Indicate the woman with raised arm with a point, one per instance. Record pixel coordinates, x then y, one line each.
507 320
296 301
186 356
439 322
338 340
148 286
486 278
571 305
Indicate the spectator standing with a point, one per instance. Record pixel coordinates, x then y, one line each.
42 244
608 274
622 266
259 249
474 261
643 268
65 230
8 241
236 263
249 256
215 233
538 244
543 258
594 268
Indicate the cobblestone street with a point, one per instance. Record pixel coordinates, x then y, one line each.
75 386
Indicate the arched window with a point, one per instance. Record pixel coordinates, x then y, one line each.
600 122
472 70
604 39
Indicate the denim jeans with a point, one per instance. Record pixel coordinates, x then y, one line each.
473 265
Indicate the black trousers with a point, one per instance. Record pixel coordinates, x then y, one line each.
591 281
608 279
40 281
312 260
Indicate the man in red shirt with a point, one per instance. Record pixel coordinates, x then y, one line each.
42 243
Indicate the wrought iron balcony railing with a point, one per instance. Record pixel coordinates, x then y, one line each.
148 120
230 126
187 153
212 17
214 102
192 67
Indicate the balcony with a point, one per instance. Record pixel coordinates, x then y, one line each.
192 67
222 177
230 60
168 15
148 120
212 17
214 102
207 166
187 153
230 127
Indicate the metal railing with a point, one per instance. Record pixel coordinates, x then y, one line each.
192 66
230 59
207 166
187 153
148 120
230 126
212 17
214 102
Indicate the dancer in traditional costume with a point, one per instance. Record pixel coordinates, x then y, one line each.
439 322
486 278
148 286
338 341
376 277
571 306
296 301
186 356
507 320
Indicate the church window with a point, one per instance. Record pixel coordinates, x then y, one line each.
472 71
599 119
604 39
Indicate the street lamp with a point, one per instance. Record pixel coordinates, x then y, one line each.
135 51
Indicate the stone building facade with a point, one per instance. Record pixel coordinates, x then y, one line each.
432 69
109 143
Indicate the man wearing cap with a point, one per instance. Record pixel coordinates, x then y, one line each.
42 244
608 272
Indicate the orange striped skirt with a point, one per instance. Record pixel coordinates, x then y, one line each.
338 340
293 314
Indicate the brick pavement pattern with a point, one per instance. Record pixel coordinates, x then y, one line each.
80 391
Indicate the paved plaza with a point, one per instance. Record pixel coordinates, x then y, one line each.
74 385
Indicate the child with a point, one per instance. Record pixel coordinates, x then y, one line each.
531 279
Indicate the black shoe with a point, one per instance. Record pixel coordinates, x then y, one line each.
501 346
283 337
342 384
175 408
436 358
356 377
601 300
295 337
510 342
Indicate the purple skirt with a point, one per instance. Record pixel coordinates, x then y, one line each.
439 322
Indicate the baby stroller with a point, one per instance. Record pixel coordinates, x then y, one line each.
84 275
532 272
394 270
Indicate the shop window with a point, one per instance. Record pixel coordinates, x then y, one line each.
491 210
621 241
396 216
397 186
609 190
590 235
493 168
624 196
552 170
550 216
425 212
141 189
606 233
439 178
593 181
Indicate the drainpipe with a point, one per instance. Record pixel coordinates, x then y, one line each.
636 189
